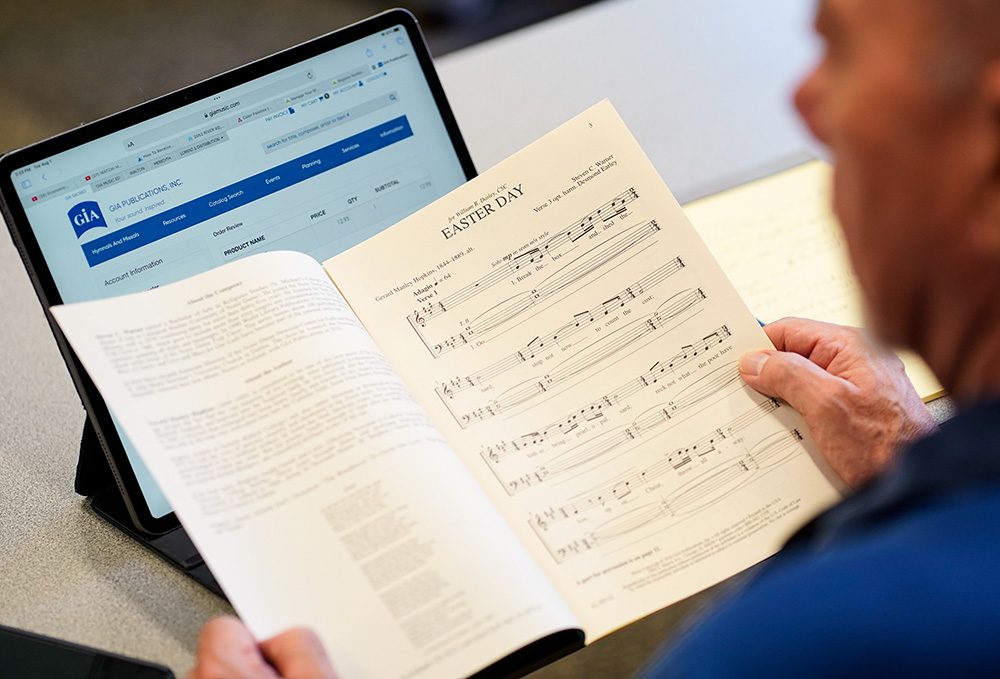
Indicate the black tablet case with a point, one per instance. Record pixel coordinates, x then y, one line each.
95 480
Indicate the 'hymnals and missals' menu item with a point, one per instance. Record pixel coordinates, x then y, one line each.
514 413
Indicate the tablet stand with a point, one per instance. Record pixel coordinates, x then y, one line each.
95 480
93 474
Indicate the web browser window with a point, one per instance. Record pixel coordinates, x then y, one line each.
316 157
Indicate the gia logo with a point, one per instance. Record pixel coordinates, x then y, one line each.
85 216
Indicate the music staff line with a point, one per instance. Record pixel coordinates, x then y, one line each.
620 488
648 425
551 248
595 409
714 485
593 354
581 321
511 308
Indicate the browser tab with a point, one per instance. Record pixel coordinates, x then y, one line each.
103 172
163 160
202 145
299 96
349 76
47 194
105 183
160 149
206 131
251 114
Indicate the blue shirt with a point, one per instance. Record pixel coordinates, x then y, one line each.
901 579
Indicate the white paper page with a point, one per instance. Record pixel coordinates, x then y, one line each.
575 341
779 242
314 486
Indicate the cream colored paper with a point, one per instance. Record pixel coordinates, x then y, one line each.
576 343
779 242
573 445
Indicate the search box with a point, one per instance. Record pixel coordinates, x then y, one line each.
326 124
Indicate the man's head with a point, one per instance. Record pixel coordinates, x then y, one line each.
907 97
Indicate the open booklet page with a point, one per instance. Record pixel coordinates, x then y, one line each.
779 242
312 483
577 344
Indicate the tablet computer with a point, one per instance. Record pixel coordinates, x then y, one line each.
313 149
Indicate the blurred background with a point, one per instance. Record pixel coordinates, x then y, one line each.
63 63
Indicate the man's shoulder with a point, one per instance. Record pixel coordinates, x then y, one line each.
915 594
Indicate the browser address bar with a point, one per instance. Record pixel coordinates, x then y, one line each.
228 105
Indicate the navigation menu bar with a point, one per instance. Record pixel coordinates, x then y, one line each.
245 191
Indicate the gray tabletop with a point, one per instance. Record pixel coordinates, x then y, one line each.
705 86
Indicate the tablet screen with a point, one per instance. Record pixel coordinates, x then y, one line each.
315 156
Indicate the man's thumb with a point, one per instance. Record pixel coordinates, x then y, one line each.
788 376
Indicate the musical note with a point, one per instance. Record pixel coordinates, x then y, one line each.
592 355
579 323
526 259
511 308
550 248
619 489
618 440
595 409
707 488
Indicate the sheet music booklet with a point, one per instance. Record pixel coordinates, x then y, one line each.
514 416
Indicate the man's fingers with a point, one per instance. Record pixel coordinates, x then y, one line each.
227 649
298 654
787 376
794 334
818 341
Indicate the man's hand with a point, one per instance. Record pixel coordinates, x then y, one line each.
227 650
856 399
